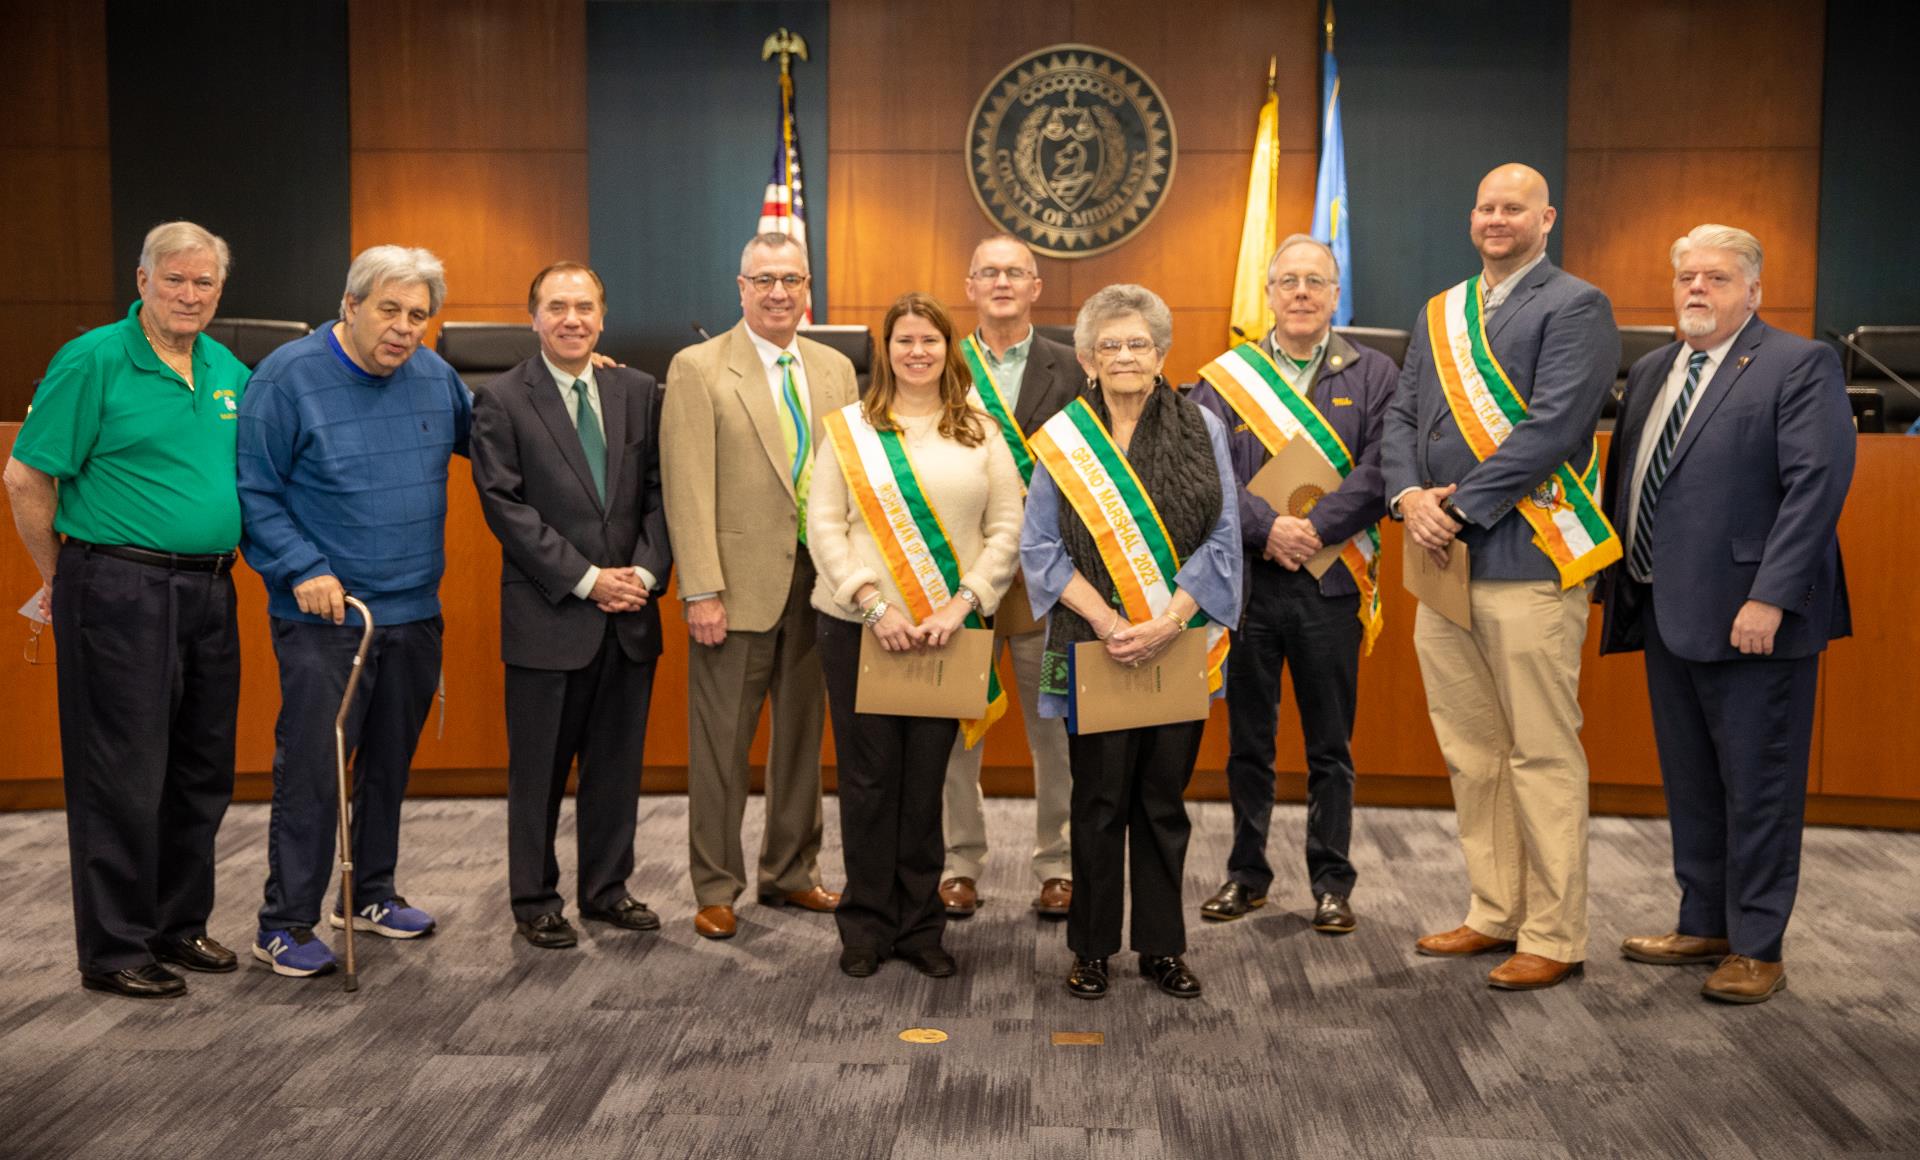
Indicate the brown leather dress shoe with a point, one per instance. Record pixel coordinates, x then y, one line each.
1668 949
1529 972
1740 979
812 898
714 922
1056 896
1459 943
959 897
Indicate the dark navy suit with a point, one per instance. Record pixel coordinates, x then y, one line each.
1314 626
1748 511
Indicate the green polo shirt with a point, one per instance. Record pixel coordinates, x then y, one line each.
142 459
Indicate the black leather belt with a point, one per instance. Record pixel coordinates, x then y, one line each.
218 563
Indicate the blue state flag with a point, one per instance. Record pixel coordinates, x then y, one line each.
1330 191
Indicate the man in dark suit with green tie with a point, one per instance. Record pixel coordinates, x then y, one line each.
566 457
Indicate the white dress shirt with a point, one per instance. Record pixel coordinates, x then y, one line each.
1657 419
563 380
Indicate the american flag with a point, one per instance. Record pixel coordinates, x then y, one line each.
784 208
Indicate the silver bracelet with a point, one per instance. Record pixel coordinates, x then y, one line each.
873 614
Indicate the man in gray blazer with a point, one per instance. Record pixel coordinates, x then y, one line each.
1035 377
1504 694
566 457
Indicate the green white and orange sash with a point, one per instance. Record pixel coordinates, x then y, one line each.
903 522
1277 411
1100 484
1567 523
986 395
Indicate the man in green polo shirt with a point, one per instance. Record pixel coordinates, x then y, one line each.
123 488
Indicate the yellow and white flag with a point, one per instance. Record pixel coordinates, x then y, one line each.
1250 317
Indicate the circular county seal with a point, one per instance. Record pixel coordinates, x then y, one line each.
1303 499
1071 150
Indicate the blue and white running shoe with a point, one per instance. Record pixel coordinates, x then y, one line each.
293 952
390 919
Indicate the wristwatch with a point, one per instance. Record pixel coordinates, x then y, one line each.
1454 513
967 594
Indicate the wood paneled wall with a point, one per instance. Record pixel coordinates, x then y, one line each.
902 217
1688 111
470 138
56 212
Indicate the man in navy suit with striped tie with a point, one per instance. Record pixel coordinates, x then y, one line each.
1728 472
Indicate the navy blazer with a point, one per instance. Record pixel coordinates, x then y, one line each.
1352 388
1556 339
537 495
1750 504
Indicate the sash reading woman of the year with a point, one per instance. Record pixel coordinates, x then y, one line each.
1277 412
903 522
1100 484
1567 524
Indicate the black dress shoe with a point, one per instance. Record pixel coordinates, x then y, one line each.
1171 975
151 981
629 912
1088 979
933 961
1333 915
550 931
1233 901
859 962
199 953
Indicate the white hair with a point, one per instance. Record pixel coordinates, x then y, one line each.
772 241
1733 239
169 238
378 265
1118 301
1292 240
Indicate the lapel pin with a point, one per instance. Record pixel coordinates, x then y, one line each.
1744 360
1334 361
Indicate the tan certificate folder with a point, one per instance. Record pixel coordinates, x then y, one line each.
1014 616
1445 590
1293 481
941 682
1171 687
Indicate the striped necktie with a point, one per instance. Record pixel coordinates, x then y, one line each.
1640 559
797 434
593 441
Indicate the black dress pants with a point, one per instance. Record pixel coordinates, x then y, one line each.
598 714
1128 813
1288 623
149 688
893 776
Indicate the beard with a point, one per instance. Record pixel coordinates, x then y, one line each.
1697 325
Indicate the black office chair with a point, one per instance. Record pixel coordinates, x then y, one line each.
1869 410
480 351
252 339
852 340
1386 340
1060 334
1898 349
1636 343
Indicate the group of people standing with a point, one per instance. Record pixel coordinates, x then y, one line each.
995 479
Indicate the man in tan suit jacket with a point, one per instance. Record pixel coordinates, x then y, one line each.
743 414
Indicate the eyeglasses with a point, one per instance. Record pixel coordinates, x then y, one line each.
765 283
1013 274
1291 282
1111 347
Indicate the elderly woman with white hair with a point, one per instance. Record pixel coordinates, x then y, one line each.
128 452
1163 464
345 437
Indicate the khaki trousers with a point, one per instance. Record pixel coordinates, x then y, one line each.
726 685
1505 703
966 820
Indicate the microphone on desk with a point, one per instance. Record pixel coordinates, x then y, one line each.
701 331
1883 368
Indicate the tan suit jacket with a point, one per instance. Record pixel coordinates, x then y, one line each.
729 498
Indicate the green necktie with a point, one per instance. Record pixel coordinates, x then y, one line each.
797 433
592 440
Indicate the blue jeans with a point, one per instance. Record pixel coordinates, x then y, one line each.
396 691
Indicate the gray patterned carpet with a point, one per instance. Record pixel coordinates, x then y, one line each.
472 1044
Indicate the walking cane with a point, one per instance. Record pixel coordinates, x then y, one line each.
346 787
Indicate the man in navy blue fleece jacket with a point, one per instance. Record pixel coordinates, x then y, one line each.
345 436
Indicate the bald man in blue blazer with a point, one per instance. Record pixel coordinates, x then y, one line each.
1729 468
